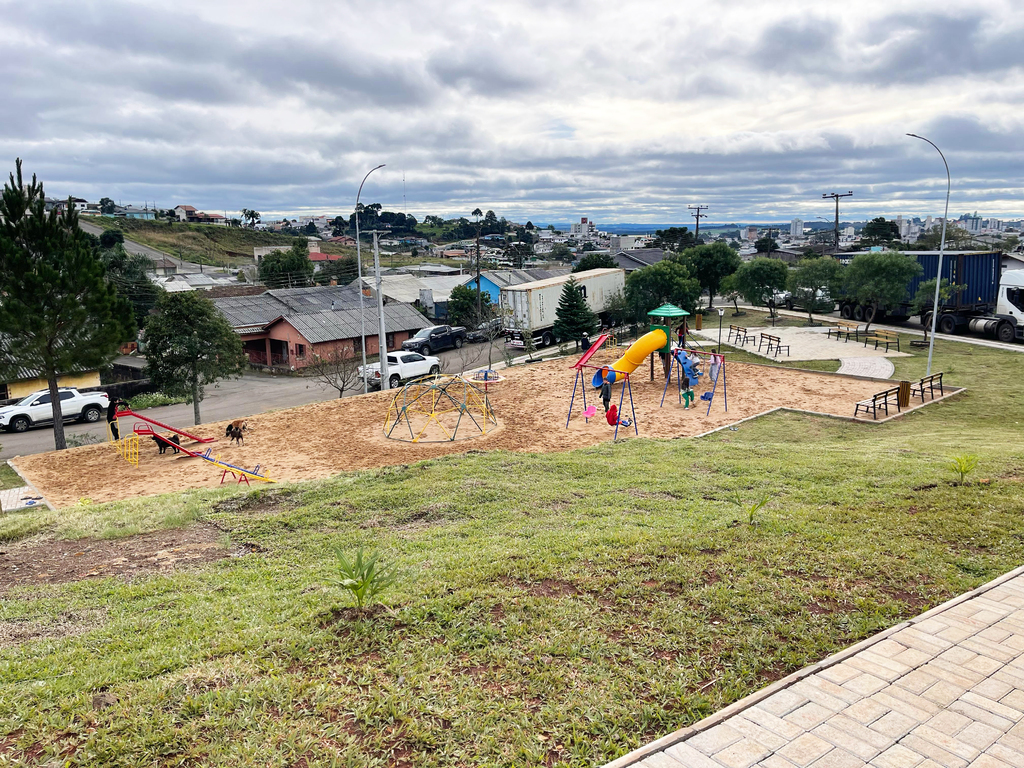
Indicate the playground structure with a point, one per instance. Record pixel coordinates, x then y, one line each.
128 447
688 376
433 409
658 339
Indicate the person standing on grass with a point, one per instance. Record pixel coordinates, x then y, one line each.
112 416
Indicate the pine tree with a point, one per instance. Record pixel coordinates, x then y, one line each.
573 316
58 311
190 345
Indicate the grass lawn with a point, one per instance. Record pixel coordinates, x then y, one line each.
198 243
8 477
553 609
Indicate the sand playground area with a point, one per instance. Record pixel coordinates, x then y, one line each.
531 403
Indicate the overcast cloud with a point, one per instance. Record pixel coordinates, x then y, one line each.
542 110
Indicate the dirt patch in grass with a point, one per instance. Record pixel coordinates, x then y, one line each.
66 624
637 493
55 561
258 502
546 587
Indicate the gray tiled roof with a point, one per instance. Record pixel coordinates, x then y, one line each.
246 311
638 258
317 327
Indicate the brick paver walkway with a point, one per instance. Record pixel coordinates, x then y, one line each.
945 689
875 367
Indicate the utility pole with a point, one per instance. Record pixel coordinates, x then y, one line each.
698 216
835 196
382 338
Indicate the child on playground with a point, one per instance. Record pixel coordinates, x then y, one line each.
606 394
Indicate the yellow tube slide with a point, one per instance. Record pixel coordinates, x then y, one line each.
638 351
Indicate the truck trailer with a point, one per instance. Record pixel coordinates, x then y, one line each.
991 302
529 308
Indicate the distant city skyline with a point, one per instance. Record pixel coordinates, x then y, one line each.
623 113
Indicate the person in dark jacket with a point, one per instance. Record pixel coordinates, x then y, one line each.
606 394
112 416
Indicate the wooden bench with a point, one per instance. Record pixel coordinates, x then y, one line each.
888 338
741 334
774 342
928 384
844 330
881 400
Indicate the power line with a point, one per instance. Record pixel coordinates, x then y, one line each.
698 216
835 196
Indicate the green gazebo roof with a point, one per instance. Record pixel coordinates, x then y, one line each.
668 310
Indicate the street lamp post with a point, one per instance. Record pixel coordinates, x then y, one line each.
721 314
942 249
359 265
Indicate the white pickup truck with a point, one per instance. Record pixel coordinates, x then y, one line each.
402 366
36 410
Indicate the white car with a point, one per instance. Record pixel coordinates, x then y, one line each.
36 410
402 366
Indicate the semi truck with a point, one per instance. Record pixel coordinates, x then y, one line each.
990 304
529 308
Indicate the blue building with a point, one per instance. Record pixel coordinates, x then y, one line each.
493 280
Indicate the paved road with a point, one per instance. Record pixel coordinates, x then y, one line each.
944 690
253 393
132 247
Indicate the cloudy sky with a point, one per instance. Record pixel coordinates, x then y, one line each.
624 111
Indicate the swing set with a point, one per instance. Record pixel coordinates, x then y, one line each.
601 373
687 370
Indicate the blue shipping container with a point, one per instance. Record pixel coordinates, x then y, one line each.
979 272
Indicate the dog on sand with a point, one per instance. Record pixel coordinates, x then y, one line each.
242 425
163 443
236 435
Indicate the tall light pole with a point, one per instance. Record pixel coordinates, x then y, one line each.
359 264
382 337
942 249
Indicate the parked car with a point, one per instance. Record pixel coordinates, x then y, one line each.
798 300
36 410
485 331
435 338
402 366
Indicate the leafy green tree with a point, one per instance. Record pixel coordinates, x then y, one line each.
759 279
710 264
924 299
560 252
675 239
128 272
957 239
190 345
287 269
878 231
814 277
595 261
107 205
880 278
110 237
574 317
766 244
59 313
666 281
251 216
343 271
462 306
731 293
